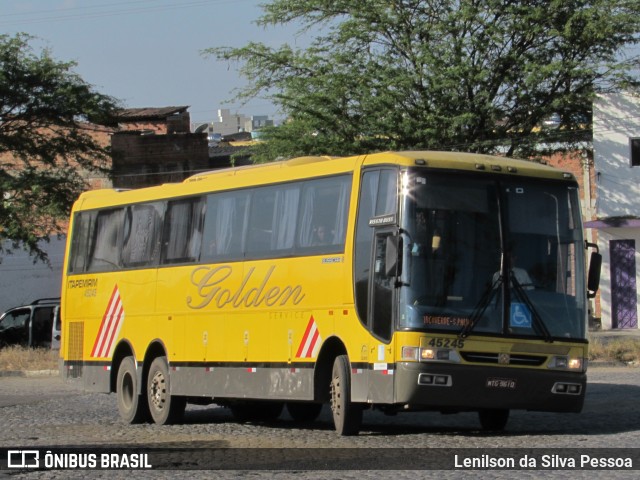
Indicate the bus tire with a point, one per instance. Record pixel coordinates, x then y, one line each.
133 407
347 417
493 420
165 408
304 411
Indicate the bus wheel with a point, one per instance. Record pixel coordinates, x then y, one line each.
493 419
347 417
304 412
165 408
133 408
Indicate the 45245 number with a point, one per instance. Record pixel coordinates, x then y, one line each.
446 343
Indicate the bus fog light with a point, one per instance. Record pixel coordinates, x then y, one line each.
435 380
567 388
441 380
424 379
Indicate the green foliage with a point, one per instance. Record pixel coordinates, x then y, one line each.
472 75
47 115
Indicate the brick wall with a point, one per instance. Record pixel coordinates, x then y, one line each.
581 165
145 160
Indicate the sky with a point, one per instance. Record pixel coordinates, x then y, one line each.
147 53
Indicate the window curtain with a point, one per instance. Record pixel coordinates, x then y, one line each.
284 218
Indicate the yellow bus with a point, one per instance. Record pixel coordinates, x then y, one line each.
400 281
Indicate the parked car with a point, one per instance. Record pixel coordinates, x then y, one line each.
36 325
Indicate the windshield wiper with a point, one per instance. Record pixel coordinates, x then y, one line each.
481 306
537 319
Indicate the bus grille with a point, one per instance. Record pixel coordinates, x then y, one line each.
495 358
75 349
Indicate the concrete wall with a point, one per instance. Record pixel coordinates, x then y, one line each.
616 119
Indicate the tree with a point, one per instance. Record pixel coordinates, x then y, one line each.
472 75
47 116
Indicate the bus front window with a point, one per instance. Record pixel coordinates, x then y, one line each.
492 257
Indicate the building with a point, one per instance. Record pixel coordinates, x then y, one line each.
616 144
150 146
154 145
229 123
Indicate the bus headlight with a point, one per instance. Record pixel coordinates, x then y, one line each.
430 354
562 362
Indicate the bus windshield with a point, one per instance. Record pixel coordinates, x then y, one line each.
496 256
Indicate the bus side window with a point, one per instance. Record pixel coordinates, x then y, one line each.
106 240
260 229
141 245
322 218
83 226
182 237
224 226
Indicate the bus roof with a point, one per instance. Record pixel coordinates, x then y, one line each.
313 166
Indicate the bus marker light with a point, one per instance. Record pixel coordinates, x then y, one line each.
410 353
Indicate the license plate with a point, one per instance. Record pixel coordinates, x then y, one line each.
507 383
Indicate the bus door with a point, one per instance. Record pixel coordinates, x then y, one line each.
382 298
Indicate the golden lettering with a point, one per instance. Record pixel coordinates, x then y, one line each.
209 283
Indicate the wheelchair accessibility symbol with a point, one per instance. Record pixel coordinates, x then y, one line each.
520 316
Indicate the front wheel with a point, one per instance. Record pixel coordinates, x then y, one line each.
165 408
133 408
347 417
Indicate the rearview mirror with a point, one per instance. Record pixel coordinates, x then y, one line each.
393 260
593 280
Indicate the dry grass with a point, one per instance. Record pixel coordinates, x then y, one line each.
626 350
20 358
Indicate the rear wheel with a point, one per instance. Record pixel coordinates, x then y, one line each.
493 419
165 408
133 408
347 417
304 412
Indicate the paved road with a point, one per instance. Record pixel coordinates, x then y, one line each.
46 412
